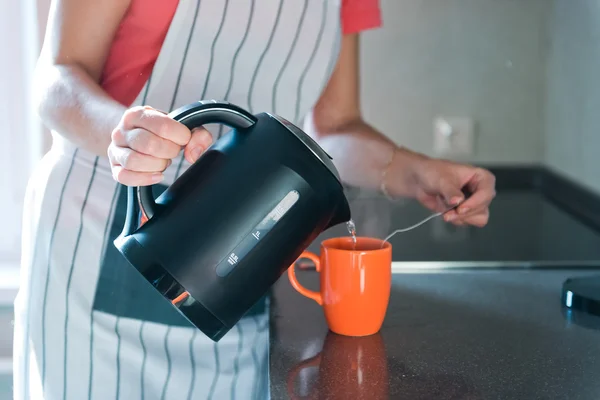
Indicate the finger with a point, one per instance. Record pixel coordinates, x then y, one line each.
470 213
134 178
454 215
480 220
146 142
451 216
134 161
483 191
156 122
451 193
200 141
480 199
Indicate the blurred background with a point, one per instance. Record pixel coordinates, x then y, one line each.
514 82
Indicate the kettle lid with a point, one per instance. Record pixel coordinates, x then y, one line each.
311 144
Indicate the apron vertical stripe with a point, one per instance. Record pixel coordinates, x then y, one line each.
264 380
169 366
255 358
310 61
118 386
144 357
235 58
287 58
213 385
147 90
104 244
193 359
185 54
70 277
236 362
47 277
208 73
239 48
212 50
262 56
30 286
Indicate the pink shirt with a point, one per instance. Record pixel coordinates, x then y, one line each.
144 27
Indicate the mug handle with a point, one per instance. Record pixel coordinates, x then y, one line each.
293 374
316 296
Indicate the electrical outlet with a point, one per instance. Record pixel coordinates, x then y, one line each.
453 136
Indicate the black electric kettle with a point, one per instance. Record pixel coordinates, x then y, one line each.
221 235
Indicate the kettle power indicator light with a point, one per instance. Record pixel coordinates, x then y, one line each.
246 245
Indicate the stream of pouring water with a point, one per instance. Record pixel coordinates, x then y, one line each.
352 230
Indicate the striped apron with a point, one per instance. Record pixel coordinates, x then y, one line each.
87 326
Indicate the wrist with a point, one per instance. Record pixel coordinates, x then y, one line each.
400 178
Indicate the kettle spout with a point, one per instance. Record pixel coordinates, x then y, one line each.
341 214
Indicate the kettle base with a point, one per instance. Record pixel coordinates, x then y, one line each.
157 276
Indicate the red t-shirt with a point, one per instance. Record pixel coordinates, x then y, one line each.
140 36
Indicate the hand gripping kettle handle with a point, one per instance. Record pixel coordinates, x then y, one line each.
192 116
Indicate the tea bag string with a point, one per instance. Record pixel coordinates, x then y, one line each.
410 228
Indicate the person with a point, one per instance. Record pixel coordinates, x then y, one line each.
108 73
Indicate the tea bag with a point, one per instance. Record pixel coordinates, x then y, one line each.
410 228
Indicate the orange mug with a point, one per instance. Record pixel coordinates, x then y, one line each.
355 283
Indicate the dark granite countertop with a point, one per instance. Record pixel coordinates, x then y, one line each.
452 332
447 335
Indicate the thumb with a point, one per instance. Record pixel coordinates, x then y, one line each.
200 141
451 193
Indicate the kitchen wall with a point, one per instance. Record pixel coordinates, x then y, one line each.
572 145
526 71
483 59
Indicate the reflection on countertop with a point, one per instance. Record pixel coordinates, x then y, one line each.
348 368
449 335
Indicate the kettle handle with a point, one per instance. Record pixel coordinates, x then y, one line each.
192 116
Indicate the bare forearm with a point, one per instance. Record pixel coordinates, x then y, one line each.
362 154
71 103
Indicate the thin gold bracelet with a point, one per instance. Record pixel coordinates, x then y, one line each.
383 186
